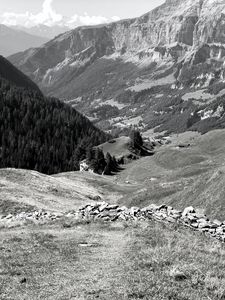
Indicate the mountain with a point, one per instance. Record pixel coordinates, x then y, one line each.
44 31
39 133
163 70
14 76
12 40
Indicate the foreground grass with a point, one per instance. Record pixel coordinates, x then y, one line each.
103 261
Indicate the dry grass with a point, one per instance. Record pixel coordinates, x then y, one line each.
81 260
103 261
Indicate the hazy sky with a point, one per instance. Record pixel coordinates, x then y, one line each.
70 12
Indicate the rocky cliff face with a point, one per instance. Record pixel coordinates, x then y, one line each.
179 45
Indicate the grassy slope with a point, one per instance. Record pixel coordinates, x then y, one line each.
28 190
74 260
179 177
117 147
182 177
107 75
99 261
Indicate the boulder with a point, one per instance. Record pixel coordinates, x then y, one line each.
108 213
122 208
203 224
89 208
177 274
220 230
122 217
10 216
134 210
176 212
217 222
152 207
103 206
194 225
171 219
112 206
94 212
192 218
188 210
162 207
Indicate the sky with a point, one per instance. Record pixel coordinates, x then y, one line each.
71 12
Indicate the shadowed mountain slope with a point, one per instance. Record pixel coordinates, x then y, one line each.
40 133
14 76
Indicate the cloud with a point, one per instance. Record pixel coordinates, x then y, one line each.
87 20
48 16
115 18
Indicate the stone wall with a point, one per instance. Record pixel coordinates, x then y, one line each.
189 217
111 213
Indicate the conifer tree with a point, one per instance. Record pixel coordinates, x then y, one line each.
136 139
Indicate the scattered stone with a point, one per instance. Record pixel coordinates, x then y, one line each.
217 222
162 207
134 210
113 206
203 223
178 275
171 219
188 210
220 230
195 225
23 280
122 208
152 207
103 206
9 216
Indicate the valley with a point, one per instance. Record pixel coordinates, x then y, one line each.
112 161
143 72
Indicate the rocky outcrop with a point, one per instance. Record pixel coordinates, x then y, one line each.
189 217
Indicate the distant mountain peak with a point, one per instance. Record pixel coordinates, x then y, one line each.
13 40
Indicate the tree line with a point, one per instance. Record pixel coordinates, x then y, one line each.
42 134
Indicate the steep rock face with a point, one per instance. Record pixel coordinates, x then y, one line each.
189 23
178 46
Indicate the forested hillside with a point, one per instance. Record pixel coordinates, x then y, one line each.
13 75
41 133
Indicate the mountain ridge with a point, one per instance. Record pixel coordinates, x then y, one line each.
13 75
16 40
178 47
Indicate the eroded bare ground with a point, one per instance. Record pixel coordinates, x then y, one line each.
117 261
